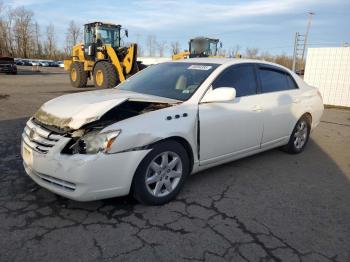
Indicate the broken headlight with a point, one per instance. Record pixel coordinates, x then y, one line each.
94 142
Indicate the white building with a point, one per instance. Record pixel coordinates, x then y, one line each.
329 70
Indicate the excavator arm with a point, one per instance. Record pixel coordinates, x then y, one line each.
129 61
115 61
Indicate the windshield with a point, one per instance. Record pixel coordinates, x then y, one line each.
172 80
212 48
203 46
199 46
108 35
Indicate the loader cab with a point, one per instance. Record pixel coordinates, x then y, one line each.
203 47
98 34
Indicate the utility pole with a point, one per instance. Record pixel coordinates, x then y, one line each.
300 44
311 14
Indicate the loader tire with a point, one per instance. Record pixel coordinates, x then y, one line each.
105 75
78 77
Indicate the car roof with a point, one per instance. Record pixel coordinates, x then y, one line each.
227 61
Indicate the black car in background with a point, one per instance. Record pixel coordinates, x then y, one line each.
8 65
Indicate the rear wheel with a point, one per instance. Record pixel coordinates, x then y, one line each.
161 174
105 75
299 137
78 77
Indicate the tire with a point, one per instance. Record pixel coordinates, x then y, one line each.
105 75
299 136
167 183
78 77
141 66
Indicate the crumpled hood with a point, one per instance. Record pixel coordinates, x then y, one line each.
75 110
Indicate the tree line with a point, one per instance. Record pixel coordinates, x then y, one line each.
22 36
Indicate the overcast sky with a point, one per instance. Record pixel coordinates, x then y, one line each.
269 25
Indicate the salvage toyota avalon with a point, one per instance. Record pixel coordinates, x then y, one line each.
170 120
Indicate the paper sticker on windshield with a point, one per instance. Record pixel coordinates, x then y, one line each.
199 67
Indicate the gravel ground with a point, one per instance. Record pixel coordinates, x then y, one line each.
268 207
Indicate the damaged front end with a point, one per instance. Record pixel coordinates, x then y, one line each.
88 138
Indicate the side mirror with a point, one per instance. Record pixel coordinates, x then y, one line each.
220 94
126 32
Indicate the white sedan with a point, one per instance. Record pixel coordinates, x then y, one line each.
168 121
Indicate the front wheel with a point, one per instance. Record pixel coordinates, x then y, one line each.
299 137
161 174
105 75
77 76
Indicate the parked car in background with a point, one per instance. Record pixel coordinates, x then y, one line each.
19 62
8 65
26 63
44 64
168 121
34 63
55 64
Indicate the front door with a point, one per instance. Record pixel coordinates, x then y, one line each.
233 127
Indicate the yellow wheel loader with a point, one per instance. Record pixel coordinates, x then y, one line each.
101 57
200 47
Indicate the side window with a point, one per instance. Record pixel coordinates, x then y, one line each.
242 78
274 80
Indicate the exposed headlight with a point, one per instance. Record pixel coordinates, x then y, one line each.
94 142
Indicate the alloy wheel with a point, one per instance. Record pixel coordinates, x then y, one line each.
300 135
163 174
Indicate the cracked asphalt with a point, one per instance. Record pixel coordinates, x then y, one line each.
268 207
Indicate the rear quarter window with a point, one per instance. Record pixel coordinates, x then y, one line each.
273 80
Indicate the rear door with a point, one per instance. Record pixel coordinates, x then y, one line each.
233 127
280 98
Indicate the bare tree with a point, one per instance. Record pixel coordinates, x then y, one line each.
267 56
73 36
10 33
20 34
151 44
234 51
284 60
23 28
38 49
252 52
50 44
140 50
161 46
175 47
7 31
3 48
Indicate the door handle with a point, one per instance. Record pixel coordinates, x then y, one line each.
257 108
